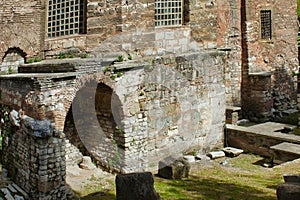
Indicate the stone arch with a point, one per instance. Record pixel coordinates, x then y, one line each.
12 59
92 124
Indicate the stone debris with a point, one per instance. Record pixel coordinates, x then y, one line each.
202 157
189 158
136 186
178 169
216 154
242 122
232 152
87 163
224 163
13 192
73 154
290 189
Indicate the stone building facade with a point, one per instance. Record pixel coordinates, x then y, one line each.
132 82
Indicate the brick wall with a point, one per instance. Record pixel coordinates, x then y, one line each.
22 26
277 55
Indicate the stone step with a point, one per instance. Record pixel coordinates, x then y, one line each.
285 151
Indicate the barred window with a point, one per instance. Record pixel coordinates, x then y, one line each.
66 17
266 24
168 12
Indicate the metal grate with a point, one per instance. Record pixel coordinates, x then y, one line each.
266 24
168 12
65 17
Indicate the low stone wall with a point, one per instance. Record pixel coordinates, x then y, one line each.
256 141
34 155
257 98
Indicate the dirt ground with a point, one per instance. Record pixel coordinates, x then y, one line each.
86 183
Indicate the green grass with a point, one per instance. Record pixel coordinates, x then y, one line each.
243 179
290 119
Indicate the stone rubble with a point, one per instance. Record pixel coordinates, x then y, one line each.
13 192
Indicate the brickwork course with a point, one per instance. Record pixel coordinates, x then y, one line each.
129 93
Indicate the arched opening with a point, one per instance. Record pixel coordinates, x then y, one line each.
12 59
91 127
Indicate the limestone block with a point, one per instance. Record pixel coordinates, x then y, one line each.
178 169
216 154
232 152
87 163
189 158
138 186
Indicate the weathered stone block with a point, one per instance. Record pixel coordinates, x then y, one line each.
137 186
171 169
288 191
232 152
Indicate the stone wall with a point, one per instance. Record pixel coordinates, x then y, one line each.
34 155
229 38
257 141
22 26
105 20
277 55
11 62
141 112
258 105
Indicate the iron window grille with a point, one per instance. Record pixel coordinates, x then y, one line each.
65 17
266 24
168 12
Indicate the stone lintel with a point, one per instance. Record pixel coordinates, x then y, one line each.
266 74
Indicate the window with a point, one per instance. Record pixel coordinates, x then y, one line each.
66 17
168 12
266 24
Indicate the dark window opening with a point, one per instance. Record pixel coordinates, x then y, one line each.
266 24
66 11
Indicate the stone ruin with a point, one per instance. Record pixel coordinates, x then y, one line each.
144 89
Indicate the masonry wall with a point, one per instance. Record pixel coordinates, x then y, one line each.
278 55
33 155
104 20
171 101
229 39
22 26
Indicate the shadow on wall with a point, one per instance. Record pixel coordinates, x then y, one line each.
283 92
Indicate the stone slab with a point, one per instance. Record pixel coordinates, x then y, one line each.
287 147
270 127
216 154
232 152
189 158
233 108
285 151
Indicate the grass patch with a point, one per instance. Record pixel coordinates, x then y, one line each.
240 180
290 119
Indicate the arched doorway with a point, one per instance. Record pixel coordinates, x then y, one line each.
12 59
91 126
